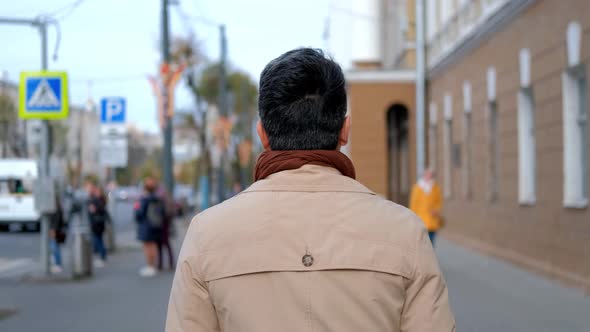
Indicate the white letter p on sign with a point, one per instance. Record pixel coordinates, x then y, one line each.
113 108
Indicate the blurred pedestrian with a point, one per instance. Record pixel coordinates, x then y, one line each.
307 247
57 236
150 215
426 201
98 217
167 229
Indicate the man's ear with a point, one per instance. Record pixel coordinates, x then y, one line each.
344 132
263 135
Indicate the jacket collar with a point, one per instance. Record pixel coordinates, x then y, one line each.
309 178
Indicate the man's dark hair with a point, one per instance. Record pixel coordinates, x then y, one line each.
302 101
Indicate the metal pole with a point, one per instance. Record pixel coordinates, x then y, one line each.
223 110
205 161
243 168
420 86
168 158
44 159
25 142
79 175
223 102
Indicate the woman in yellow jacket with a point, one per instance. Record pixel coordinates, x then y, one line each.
426 202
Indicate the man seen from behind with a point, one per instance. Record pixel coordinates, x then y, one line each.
307 247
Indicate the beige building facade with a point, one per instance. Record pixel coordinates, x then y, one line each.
506 121
381 90
508 98
382 141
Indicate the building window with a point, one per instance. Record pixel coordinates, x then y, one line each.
448 146
526 133
493 151
446 11
467 139
526 147
575 124
432 136
575 137
432 19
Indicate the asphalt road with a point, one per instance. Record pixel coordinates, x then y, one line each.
115 299
27 244
19 245
122 214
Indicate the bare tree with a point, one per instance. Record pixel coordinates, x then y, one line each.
8 118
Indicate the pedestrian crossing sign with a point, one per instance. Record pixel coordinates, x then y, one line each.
43 95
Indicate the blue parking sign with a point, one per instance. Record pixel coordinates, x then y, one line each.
112 110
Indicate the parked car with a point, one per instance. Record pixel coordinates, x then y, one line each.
17 202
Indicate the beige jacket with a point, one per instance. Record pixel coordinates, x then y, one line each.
308 250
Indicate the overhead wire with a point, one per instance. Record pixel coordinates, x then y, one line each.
58 40
185 20
54 19
68 9
114 78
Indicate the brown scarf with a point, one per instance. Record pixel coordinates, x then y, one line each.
271 162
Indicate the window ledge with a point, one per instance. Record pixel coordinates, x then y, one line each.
581 203
527 202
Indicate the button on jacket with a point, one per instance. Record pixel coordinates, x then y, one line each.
308 250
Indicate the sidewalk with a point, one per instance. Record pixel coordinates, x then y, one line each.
489 295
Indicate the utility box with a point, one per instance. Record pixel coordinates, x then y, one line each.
81 243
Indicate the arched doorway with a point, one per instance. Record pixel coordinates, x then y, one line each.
398 154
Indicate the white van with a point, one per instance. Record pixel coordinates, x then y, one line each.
17 203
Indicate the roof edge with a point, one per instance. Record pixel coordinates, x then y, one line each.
381 76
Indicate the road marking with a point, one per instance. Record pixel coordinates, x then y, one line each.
10 268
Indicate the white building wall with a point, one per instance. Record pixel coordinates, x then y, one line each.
366 39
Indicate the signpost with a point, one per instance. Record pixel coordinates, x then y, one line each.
46 100
113 133
43 95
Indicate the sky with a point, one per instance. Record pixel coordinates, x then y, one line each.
109 47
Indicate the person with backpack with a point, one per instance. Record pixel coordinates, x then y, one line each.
150 215
98 217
